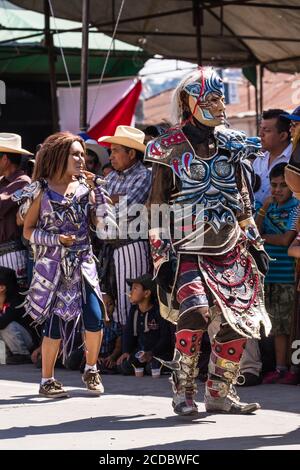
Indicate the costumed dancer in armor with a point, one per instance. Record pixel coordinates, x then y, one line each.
57 209
202 174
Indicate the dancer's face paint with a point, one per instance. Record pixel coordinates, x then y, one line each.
212 112
76 159
206 99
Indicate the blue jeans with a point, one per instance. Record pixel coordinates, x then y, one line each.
17 338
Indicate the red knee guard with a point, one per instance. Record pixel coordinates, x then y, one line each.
189 341
231 350
225 358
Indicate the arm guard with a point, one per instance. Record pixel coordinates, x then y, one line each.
44 238
105 213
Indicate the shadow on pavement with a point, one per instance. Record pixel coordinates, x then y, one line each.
107 423
233 443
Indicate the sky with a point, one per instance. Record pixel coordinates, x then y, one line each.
160 75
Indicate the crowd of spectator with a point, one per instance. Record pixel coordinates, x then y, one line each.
135 334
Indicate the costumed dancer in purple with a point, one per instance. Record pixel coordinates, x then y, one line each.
216 266
64 294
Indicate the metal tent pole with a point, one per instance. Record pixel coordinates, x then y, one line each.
261 87
84 66
257 103
198 22
52 73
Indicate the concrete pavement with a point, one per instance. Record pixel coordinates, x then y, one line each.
135 413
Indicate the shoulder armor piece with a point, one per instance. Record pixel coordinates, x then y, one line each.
160 149
25 196
30 191
238 144
171 149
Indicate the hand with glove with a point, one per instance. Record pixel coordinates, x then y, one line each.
256 245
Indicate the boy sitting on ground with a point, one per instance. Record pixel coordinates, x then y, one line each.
146 334
15 330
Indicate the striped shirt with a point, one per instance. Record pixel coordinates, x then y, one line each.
134 183
278 220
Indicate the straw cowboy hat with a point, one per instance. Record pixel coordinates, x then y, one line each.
12 143
127 136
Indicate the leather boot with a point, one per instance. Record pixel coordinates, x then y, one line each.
220 394
184 371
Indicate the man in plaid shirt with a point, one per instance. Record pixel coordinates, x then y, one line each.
127 185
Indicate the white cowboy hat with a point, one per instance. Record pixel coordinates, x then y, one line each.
127 136
99 150
12 143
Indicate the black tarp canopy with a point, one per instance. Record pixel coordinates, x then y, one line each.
220 32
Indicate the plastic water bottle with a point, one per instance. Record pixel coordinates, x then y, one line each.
2 352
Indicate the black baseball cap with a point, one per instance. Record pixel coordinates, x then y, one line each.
8 279
145 280
294 116
7 276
